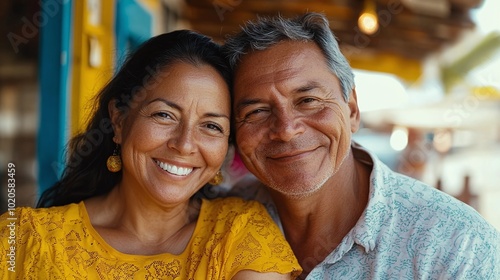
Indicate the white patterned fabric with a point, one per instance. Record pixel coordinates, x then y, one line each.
409 230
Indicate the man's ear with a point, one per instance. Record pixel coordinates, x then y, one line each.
116 116
354 114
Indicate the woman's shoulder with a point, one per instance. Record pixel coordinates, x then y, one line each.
248 237
235 205
45 219
53 213
235 213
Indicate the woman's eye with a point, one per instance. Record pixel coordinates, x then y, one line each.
216 127
162 115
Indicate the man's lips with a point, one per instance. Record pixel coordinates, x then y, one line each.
291 155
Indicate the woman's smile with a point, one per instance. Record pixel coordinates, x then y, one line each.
174 169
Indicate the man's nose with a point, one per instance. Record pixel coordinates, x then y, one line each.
285 125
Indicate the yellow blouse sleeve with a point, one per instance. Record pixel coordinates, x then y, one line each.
8 246
20 242
31 240
256 243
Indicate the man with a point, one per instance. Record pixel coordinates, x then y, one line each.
345 214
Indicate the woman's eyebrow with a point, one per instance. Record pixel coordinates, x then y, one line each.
175 106
216 115
169 103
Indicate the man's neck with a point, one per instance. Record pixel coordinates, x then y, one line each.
315 225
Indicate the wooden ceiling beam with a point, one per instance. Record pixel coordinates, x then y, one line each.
401 31
466 4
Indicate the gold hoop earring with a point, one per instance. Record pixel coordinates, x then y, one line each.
114 162
217 179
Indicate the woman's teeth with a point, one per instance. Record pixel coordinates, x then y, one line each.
180 171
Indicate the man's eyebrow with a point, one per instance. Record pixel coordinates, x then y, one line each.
308 86
246 102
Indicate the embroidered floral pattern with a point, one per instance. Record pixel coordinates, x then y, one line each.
231 235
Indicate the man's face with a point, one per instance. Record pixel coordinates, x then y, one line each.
293 127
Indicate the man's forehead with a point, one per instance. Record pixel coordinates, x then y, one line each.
284 49
285 59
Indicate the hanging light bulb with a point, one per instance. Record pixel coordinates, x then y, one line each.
368 19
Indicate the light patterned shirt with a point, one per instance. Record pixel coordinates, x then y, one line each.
410 230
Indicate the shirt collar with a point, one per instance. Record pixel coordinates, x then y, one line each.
369 226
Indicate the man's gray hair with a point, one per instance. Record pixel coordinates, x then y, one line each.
310 27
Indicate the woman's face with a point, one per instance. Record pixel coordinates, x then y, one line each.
174 138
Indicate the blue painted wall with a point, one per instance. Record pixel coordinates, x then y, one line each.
55 53
133 26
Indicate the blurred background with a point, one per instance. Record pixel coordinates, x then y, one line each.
427 79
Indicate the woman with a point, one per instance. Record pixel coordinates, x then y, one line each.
126 210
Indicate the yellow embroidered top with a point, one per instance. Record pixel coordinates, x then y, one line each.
60 243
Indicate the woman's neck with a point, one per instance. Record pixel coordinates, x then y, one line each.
135 225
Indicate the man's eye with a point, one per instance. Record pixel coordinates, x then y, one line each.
310 103
308 100
254 112
256 115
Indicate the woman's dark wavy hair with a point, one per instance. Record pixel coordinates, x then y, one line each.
85 174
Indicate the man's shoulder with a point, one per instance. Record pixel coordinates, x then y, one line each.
413 206
420 203
250 188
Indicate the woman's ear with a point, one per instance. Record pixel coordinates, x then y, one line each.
116 120
355 114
